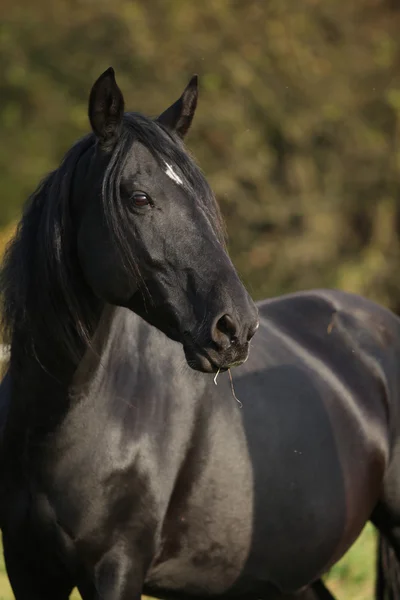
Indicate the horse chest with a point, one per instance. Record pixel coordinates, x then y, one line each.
203 546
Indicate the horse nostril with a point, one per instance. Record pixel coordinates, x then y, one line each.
225 331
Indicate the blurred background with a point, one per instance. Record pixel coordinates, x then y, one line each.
297 130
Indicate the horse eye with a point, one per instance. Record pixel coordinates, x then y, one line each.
140 199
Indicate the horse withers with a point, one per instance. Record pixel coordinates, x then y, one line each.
124 469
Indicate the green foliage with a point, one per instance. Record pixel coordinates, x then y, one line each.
296 129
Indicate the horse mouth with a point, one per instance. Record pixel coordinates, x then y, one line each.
208 361
200 361
205 359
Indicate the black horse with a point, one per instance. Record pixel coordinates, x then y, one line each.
123 470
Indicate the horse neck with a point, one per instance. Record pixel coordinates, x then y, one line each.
42 379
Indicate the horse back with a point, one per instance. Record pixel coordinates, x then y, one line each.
343 331
350 343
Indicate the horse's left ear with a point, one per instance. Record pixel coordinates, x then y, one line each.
106 108
179 116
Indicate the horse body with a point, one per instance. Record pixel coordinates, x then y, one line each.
153 468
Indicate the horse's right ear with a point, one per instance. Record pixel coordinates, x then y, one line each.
106 108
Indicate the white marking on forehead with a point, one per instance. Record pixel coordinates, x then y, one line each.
172 175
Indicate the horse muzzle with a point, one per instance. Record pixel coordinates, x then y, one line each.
210 360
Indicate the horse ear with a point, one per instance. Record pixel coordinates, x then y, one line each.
179 116
106 108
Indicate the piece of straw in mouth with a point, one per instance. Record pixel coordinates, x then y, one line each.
233 390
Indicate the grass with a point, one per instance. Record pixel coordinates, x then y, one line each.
352 577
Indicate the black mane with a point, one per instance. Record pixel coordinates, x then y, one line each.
42 289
